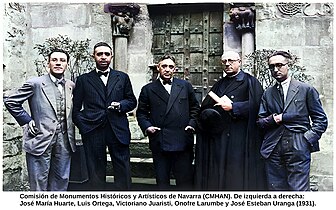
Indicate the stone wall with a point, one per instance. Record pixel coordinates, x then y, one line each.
305 30
15 72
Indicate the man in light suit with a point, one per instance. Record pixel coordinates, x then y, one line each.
102 99
167 113
48 138
292 116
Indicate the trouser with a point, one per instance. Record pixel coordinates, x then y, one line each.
95 148
288 166
51 170
180 163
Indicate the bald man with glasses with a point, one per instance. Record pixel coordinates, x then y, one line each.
227 147
293 119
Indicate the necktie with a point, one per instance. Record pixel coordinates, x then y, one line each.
165 82
281 93
105 73
59 81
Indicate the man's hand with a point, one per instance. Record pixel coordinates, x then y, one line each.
152 129
189 129
33 130
114 105
225 104
277 118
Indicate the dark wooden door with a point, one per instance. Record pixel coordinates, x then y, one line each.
193 33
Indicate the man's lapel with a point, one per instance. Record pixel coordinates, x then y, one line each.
113 79
49 92
175 91
97 83
293 89
68 97
276 95
158 89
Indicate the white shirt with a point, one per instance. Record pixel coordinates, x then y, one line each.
59 86
285 86
166 86
103 78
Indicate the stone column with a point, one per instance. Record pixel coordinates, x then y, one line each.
122 23
120 53
243 17
248 45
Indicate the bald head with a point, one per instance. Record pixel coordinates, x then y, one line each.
230 55
231 62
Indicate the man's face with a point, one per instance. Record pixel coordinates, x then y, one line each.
231 63
166 69
278 66
58 63
102 56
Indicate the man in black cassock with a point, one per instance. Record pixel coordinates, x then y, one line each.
228 144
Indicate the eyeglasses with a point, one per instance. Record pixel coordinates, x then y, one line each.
105 53
278 65
230 61
165 66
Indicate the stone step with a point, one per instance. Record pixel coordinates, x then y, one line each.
140 167
141 159
138 183
140 148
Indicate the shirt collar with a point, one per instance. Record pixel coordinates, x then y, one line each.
107 70
53 78
286 81
161 80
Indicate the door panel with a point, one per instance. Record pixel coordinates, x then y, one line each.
193 33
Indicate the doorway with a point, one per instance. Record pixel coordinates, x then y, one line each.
193 34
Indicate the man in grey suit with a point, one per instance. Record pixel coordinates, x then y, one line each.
167 113
293 119
48 138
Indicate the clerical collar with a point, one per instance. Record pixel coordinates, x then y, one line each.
233 75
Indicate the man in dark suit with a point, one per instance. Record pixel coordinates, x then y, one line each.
167 113
101 101
48 137
292 116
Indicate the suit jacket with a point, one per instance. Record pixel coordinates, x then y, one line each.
39 92
302 105
91 99
172 113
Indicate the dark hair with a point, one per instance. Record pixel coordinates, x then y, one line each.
101 44
61 51
167 56
282 53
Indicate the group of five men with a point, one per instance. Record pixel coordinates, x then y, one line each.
246 139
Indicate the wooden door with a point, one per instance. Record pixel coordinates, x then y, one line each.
193 33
